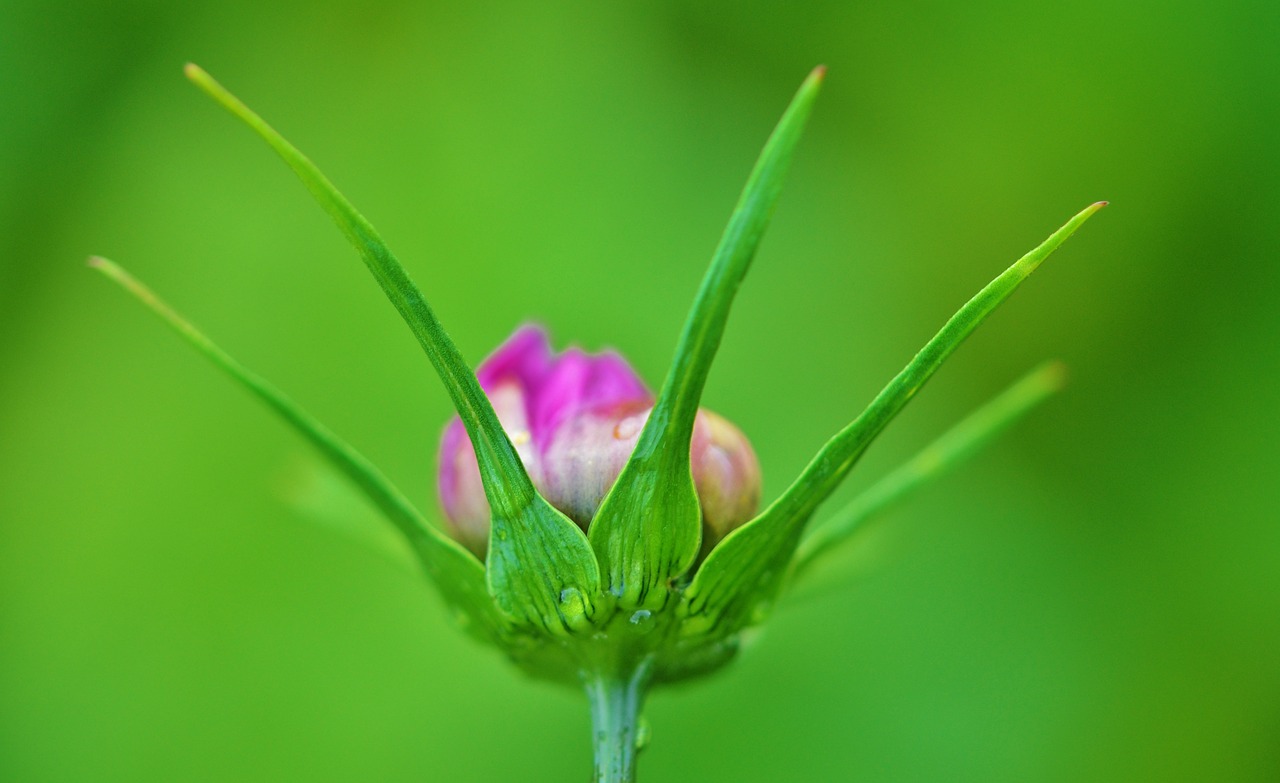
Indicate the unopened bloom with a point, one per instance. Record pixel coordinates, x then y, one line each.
574 419
575 442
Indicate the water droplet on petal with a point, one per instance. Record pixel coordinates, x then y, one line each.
628 427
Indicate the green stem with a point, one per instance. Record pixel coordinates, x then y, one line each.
616 699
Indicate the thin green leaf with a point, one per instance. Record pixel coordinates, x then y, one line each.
320 495
954 447
454 570
536 554
649 527
739 579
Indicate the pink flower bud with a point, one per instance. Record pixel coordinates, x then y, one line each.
574 419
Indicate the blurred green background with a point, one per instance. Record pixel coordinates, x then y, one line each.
1095 598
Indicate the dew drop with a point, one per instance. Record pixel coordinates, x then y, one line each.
760 612
640 616
628 427
644 733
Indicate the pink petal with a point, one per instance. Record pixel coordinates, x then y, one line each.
535 393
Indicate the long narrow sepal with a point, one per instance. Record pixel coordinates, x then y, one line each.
541 567
739 579
648 529
455 572
954 447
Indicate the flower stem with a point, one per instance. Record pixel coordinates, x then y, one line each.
616 699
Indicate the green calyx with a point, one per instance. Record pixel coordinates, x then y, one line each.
630 597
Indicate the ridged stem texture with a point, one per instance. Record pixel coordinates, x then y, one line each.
616 699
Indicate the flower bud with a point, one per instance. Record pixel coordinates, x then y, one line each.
574 419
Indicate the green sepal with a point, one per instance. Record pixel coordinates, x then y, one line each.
539 553
454 571
949 450
739 580
541 569
648 530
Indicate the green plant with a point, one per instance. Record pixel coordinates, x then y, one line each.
638 594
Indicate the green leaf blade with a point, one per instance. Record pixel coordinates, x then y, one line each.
740 578
648 529
454 571
523 523
472 405
945 453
